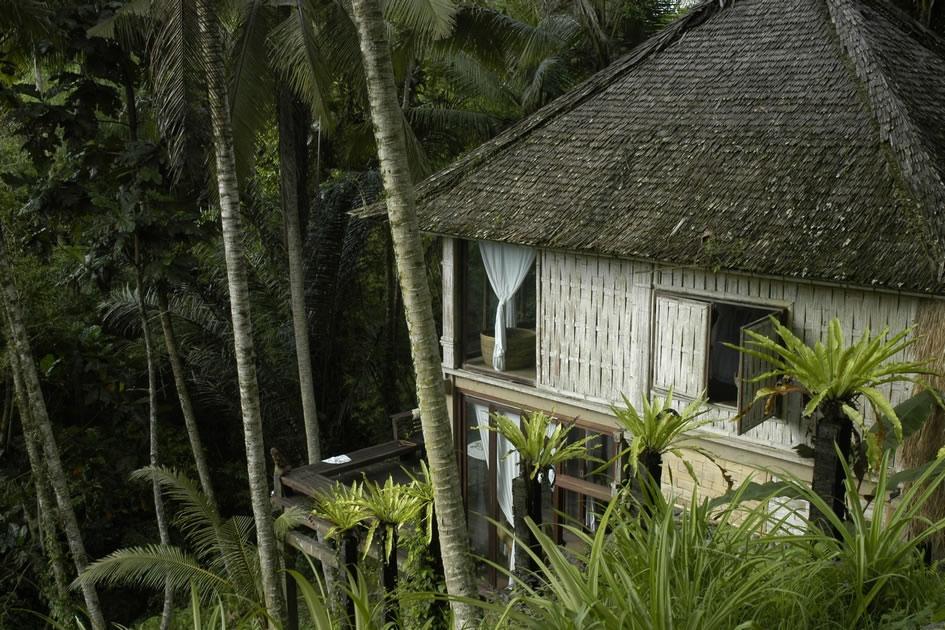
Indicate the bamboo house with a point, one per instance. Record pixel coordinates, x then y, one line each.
757 157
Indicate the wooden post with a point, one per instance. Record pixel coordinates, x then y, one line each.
452 301
389 574
346 547
292 601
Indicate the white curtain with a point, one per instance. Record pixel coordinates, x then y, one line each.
506 266
507 468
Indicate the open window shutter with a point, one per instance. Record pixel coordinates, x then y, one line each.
680 341
748 368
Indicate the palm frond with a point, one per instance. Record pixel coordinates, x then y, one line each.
196 517
237 552
120 311
288 520
251 90
430 18
128 25
151 566
27 18
469 125
297 53
176 71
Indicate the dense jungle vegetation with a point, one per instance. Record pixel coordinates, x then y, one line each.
107 189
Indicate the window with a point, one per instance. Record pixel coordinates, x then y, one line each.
690 356
581 489
480 303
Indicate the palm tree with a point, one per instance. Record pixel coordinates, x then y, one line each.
220 561
835 376
408 250
183 395
159 513
239 305
38 417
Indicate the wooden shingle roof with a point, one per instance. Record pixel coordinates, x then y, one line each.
797 138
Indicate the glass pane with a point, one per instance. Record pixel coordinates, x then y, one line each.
477 479
601 448
479 302
507 469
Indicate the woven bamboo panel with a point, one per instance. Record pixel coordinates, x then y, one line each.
680 340
586 317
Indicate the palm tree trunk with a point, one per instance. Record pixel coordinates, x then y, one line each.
159 515
40 418
408 249
291 178
46 512
186 406
240 309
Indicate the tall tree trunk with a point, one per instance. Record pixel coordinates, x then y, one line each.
240 309
389 369
292 186
159 515
186 406
424 346
6 424
46 512
39 416
923 446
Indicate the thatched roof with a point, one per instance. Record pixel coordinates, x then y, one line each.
799 138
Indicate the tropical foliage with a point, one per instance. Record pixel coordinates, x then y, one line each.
220 560
832 372
734 563
540 440
658 429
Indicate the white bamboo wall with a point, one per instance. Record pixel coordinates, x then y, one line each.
585 324
594 327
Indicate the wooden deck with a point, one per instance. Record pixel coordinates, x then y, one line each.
313 478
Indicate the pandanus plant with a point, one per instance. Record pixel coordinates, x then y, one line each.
836 376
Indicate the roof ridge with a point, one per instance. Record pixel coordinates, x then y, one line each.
891 114
693 17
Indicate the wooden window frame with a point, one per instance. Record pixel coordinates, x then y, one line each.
561 482
781 311
581 487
